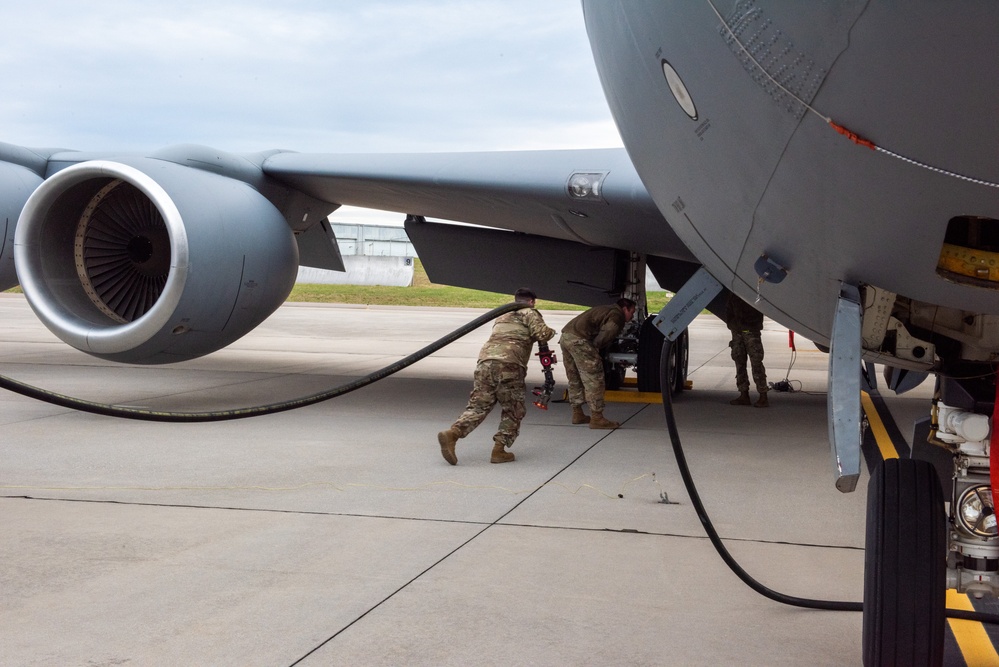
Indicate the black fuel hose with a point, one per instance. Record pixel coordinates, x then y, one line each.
702 515
242 413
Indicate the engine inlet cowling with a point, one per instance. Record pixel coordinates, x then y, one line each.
147 261
16 185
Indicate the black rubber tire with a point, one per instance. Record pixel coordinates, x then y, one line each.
613 376
681 352
650 348
905 566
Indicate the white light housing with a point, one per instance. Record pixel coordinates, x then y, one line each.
586 185
976 511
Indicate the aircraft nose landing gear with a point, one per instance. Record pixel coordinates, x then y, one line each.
915 551
973 538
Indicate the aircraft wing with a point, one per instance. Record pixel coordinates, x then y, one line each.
522 191
576 216
171 255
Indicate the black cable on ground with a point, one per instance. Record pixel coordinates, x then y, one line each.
242 413
702 515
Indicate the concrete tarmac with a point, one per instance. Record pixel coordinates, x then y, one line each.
337 535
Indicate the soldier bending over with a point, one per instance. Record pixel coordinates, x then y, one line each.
582 339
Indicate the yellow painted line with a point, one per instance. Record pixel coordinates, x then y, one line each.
633 397
878 428
974 642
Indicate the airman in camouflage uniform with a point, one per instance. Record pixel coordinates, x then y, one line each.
746 323
581 341
499 378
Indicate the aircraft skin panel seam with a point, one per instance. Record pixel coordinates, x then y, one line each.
235 302
751 258
561 223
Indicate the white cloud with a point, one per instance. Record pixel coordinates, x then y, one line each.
369 76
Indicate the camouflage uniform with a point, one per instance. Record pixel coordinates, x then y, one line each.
582 339
746 323
499 374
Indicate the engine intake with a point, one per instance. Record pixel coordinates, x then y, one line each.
142 260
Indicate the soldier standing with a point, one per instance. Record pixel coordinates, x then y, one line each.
746 323
499 378
581 341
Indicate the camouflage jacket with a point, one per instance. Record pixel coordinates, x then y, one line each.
600 325
513 336
741 316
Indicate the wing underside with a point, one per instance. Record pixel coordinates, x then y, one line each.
535 232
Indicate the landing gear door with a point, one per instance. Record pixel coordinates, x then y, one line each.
687 304
843 402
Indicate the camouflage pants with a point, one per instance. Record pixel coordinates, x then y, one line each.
495 382
584 368
747 345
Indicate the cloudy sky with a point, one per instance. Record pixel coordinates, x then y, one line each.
311 76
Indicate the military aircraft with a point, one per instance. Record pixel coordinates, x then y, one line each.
831 162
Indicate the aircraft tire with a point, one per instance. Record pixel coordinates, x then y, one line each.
905 566
650 348
681 359
613 376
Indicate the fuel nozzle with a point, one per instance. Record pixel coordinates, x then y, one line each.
547 359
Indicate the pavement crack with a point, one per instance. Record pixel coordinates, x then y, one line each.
469 522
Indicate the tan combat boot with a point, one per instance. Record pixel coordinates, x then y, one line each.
578 416
500 455
597 421
763 402
448 439
742 400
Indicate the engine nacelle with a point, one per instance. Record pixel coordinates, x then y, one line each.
16 185
140 260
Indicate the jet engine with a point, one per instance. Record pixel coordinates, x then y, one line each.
140 260
16 185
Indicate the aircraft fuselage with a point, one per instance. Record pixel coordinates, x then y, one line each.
724 116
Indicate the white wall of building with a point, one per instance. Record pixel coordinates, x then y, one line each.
363 270
372 255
